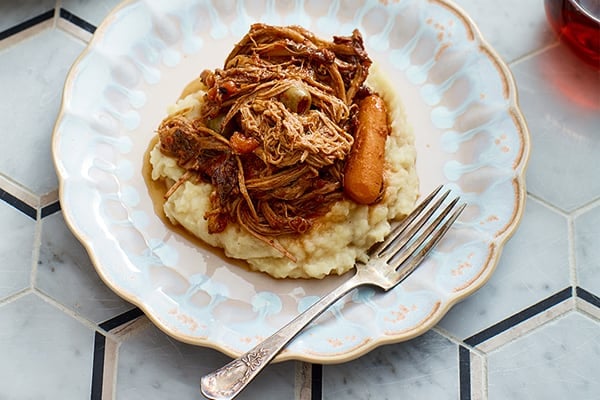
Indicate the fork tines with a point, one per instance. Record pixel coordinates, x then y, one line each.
415 236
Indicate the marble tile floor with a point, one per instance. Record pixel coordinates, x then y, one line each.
533 331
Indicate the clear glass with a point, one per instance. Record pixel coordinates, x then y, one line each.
577 22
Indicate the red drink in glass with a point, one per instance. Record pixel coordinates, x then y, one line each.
577 22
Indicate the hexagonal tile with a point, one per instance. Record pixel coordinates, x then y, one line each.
557 361
422 368
533 265
16 246
567 118
33 73
66 274
587 251
151 365
34 336
529 29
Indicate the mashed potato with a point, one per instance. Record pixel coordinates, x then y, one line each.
337 240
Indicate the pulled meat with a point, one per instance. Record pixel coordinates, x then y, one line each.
274 130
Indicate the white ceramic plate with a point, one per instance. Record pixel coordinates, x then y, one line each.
460 99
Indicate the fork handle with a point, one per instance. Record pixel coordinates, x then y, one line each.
226 382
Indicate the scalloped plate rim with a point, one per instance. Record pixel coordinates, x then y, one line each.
501 239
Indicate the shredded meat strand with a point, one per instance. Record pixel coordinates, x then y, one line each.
274 130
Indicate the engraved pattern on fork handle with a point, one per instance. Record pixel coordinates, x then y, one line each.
228 381
232 378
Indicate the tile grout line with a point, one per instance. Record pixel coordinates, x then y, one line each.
585 208
128 328
575 213
456 340
520 317
34 212
24 200
35 253
27 24
19 37
303 381
66 310
74 31
588 297
484 379
121 319
590 308
18 204
15 296
548 205
77 21
49 198
527 327
571 254
50 209
56 16
17 190
110 370
99 354
464 373
533 53
57 6
316 389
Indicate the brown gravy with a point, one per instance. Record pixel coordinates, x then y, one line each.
156 192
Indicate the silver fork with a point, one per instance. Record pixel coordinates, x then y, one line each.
390 262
